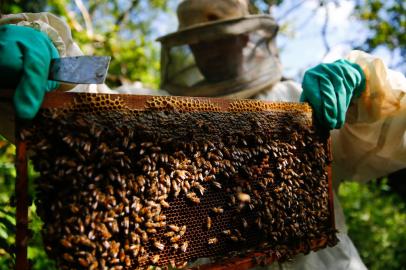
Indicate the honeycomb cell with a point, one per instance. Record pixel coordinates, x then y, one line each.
180 104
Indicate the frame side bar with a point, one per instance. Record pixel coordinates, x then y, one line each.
21 191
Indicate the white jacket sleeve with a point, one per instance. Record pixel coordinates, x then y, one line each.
372 142
60 34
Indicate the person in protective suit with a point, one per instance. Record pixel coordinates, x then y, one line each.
221 50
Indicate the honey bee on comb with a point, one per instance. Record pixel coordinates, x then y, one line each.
148 185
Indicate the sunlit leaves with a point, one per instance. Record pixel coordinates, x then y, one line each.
386 21
376 223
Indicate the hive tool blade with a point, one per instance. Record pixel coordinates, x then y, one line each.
80 69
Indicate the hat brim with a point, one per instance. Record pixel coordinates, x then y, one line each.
212 30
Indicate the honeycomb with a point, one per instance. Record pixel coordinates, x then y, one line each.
181 104
127 183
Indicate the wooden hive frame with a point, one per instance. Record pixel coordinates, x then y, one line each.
64 100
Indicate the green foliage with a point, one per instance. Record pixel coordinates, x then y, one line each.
36 252
386 21
376 222
7 212
120 29
16 6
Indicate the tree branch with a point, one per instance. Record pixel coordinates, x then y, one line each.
324 30
73 22
86 17
123 16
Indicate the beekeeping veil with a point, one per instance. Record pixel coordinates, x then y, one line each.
219 50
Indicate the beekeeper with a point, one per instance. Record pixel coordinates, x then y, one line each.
221 50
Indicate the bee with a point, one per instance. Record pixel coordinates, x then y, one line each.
182 174
165 204
152 230
182 230
114 261
160 218
135 249
127 261
137 218
213 241
216 184
67 257
226 232
243 197
182 265
74 209
176 188
234 238
64 242
159 245
126 224
150 224
114 249
218 210
244 223
232 200
121 255
144 236
104 231
210 177
155 259
142 259
209 223
193 197
175 239
205 147
259 222
199 187
106 244
184 246
86 242
141 180
83 262
175 246
169 234
161 224
94 265
114 226
174 228
237 232
186 186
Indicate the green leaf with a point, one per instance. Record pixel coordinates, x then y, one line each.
4 245
8 224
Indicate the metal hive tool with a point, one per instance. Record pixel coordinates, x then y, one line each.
131 181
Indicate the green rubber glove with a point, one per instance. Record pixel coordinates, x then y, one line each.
25 55
329 89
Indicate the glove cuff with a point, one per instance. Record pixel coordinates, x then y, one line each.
361 85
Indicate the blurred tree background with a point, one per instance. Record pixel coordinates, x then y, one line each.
125 30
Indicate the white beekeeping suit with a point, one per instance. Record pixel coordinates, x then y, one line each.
372 142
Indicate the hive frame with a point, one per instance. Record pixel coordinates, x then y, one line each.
61 100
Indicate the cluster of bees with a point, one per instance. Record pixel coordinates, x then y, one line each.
130 189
